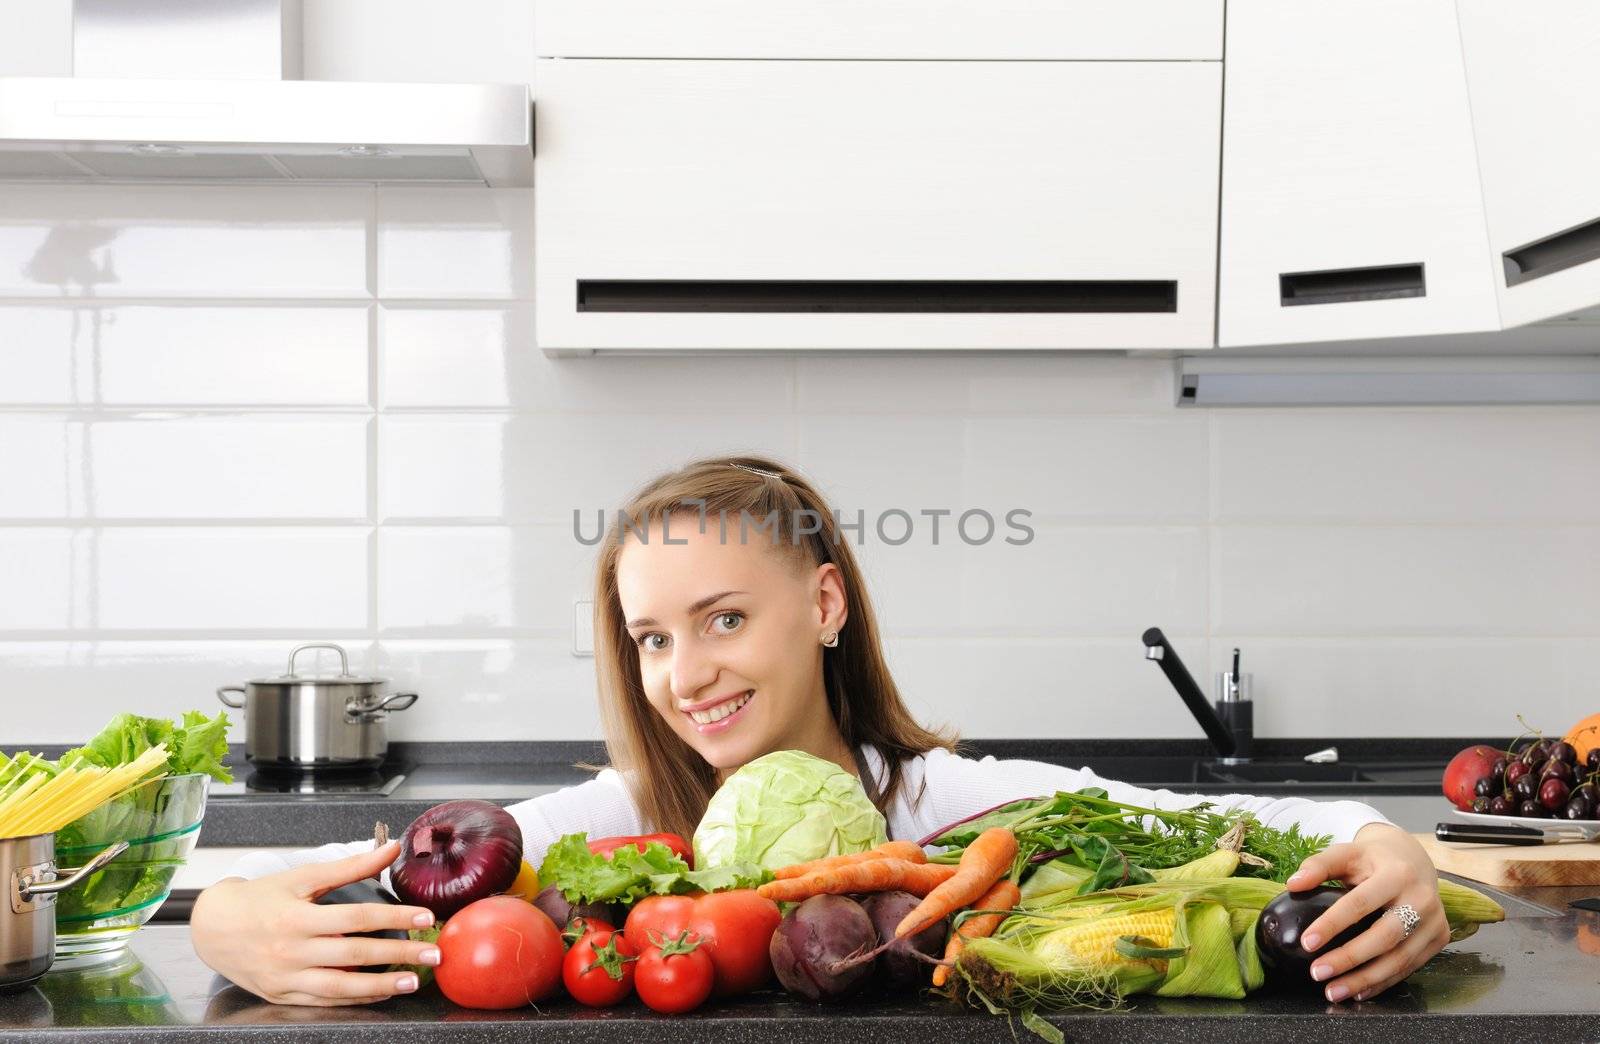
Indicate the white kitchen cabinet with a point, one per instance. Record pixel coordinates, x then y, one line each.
875 204
1350 199
1534 79
1145 30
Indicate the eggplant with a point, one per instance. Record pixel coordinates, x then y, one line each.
556 907
367 891
899 968
814 939
1286 963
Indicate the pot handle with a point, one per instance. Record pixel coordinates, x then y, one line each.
222 694
344 661
396 701
74 874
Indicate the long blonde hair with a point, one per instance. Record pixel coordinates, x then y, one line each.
670 782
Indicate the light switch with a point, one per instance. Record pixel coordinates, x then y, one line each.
583 629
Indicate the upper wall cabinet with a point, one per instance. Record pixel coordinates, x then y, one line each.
1101 30
713 201
1350 199
1534 76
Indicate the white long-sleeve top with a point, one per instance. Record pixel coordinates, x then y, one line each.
938 788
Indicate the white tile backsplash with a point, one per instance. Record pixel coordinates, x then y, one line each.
127 241
236 418
138 355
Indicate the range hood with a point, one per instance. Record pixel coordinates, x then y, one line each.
209 90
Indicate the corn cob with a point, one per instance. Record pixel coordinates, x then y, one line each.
1093 940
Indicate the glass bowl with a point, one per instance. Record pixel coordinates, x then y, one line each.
160 820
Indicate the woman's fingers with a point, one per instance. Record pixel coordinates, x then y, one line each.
349 918
1374 942
1377 975
1355 904
344 951
351 987
313 879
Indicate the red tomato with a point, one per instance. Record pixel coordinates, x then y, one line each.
598 970
675 977
735 926
604 846
499 952
578 927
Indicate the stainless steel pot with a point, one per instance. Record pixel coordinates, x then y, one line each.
316 721
28 923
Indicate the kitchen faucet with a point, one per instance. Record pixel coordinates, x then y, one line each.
1230 724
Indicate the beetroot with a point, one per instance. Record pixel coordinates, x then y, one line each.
814 939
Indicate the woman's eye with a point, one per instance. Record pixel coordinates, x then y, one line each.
643 639
736 618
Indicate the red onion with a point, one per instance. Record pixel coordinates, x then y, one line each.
457 853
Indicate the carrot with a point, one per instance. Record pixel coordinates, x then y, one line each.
876 875
1003 896
984 862
910 851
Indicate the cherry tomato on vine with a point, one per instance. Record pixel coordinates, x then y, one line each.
674 976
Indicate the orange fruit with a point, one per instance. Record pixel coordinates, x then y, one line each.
1585 736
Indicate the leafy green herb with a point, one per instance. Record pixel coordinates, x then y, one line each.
196 744
1111 839
628 874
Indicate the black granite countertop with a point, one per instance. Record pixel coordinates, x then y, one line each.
1535 976
508 772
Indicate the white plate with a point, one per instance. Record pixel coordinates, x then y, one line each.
1590 827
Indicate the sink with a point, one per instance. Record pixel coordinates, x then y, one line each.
1284 772
1278 775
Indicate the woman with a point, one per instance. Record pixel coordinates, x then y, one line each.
732 621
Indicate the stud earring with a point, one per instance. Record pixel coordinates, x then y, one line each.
832 641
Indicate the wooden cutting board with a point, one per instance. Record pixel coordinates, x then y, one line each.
1574 863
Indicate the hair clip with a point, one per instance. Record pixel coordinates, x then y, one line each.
755 471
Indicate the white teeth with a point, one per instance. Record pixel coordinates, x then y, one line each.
720 711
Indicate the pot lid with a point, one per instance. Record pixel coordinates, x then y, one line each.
343 677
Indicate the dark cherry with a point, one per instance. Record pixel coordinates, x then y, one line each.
1553 794
1525 789
1592 761
1516 770
1561 750
1588 791
1485 787
1480 805
1497 773
1561 770
1501 806
1577 808
1536 752
1531 809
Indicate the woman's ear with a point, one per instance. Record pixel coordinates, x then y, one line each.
832 606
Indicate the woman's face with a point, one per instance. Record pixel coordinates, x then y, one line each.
729 638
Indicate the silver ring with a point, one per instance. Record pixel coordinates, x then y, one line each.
1409 918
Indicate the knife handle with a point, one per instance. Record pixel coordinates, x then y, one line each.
1487 834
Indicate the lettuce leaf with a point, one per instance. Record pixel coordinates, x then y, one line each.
197 744
628 875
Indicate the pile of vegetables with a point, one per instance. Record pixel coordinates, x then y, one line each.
1040 904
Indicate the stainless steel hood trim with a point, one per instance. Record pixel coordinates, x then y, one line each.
65 115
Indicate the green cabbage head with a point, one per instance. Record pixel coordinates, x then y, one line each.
784 808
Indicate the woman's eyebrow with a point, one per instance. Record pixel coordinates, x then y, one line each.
646 621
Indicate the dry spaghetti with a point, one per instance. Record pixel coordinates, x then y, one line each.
43 804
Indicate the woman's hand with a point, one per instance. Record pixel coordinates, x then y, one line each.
1383 867
269 937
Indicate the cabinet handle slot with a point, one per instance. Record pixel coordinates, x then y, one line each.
1552 253
872 295
1340 285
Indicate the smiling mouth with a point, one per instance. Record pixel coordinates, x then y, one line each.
712 715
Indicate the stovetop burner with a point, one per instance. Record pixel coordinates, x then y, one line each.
380 781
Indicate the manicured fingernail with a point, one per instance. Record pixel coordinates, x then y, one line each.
1338 993
1311 942
430 957
406 984
423 920
1320 971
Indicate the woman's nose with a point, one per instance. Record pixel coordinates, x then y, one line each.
692 671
